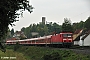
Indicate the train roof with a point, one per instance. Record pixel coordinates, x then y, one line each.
39 38
66 33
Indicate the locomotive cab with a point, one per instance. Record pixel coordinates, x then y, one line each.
67 38
62 39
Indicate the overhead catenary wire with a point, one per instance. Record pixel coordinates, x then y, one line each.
80 14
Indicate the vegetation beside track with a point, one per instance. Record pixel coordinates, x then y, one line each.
47 53
11 55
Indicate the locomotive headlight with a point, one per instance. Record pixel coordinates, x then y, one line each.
69 39
64 39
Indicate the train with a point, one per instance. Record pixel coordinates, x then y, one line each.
61 39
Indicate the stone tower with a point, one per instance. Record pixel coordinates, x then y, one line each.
43 20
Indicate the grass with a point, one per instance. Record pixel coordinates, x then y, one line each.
41 53
11 55
37 53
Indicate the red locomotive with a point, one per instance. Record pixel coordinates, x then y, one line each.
50 40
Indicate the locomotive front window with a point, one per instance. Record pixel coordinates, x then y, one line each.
67 35
64 35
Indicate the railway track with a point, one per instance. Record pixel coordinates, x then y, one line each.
78 49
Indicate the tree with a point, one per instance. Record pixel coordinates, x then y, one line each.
12 32
8 34
45 30
23 29
56 28
87 23
16 46
66 26
78 25
8 13
52 56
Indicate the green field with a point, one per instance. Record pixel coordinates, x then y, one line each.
43 53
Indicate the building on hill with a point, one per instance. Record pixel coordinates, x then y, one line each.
19 35
13 38
76 35
83 39
43 20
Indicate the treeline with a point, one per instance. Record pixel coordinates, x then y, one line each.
82 25
51 28
41 29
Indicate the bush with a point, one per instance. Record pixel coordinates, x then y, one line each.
16 46
52 56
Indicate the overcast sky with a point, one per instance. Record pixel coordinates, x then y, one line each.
54 11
